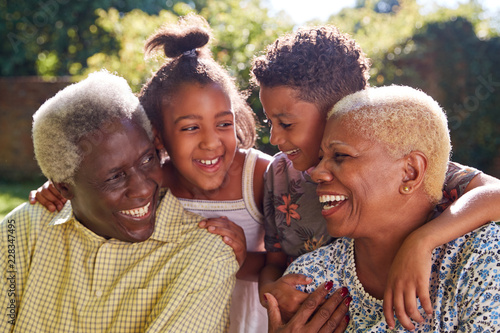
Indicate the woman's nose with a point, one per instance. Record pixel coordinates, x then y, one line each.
320 174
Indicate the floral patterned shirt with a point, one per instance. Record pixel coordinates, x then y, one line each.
293 221
464 284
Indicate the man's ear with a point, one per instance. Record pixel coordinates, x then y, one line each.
65 189
415 165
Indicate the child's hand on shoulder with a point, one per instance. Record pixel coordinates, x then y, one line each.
287 296
48 196
232 234
408 280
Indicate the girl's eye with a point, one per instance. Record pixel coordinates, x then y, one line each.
190 128
284 126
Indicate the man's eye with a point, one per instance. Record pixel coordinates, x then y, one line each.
116 176
148 159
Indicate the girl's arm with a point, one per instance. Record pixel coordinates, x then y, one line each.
410 271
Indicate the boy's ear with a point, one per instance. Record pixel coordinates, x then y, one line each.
415 165
65 189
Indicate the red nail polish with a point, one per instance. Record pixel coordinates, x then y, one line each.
265 298
344 292
347 318
329 285
347 301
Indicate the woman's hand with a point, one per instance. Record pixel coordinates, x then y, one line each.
408 279
48 196
232 234
314 315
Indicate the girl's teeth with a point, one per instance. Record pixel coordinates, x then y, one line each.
291 151
138 212
209 162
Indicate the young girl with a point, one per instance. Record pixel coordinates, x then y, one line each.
205 125
301 77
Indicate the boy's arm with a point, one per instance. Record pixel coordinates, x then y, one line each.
410 271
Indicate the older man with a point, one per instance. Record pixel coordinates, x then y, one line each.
104 263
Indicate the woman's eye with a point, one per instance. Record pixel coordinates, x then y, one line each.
340 156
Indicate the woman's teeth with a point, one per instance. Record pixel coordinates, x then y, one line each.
138 212
330 201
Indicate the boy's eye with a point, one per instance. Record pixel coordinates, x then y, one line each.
283 125
225 124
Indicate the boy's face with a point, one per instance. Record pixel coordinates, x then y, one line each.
296 126
199 135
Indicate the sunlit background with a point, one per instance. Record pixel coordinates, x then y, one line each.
302 11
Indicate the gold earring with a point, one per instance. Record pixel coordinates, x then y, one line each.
406 189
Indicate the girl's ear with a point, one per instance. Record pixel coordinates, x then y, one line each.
65 189
158 142
414 171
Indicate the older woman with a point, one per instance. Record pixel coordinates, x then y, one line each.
384 157
121 256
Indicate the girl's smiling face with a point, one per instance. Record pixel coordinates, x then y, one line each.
199 135
296 126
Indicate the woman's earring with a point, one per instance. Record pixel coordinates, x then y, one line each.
406 189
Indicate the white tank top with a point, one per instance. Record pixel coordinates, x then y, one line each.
243 212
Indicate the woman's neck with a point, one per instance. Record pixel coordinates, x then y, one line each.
374 255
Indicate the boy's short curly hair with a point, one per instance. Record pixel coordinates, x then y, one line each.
186 44
320 63
405 120
82 108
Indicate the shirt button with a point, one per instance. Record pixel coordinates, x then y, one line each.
98 293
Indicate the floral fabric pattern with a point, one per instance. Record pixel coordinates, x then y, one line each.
465 284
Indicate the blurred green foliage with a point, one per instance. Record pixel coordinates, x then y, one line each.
452 54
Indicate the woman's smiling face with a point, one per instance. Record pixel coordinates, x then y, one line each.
358 181
296 126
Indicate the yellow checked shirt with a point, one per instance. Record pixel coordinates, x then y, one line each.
58 276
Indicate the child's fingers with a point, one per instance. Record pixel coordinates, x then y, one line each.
400 310
389 308
425 301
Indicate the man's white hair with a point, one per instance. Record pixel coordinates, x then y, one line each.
90 106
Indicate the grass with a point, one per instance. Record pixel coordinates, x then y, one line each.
14 194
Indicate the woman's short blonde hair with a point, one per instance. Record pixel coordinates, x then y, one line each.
91 105
406 120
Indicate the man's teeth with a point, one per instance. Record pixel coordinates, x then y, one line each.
293 151
138 212
330 201
209 162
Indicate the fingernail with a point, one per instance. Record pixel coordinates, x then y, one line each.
347 301
211 228
344 292
329 285
265 298
347 318
308 279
